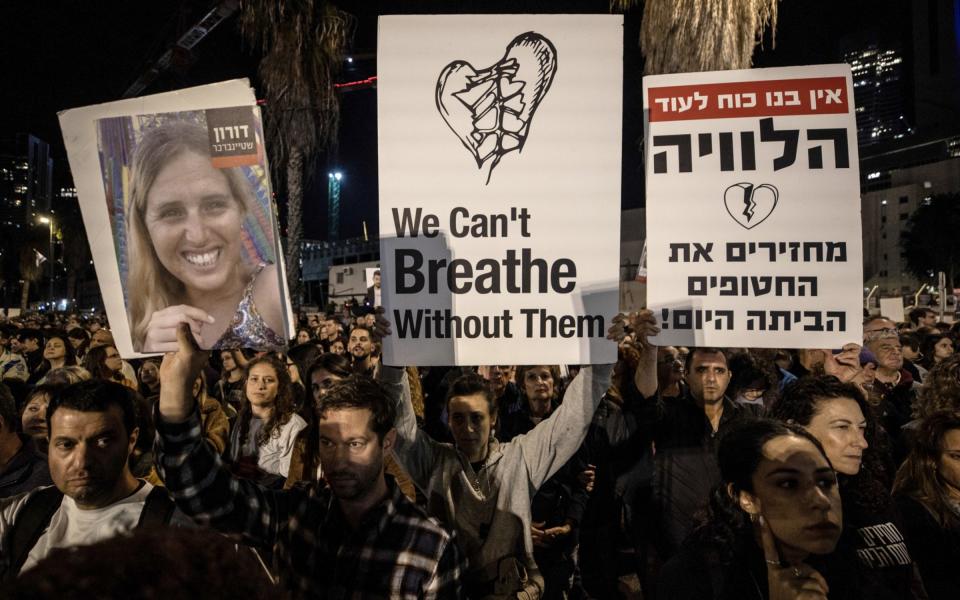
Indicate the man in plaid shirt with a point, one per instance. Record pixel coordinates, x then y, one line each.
358 537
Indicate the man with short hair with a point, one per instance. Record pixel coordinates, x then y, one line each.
685 431
22 468
92 433
372 299
922 317
500 379
329 329
361 347
355 536
893 384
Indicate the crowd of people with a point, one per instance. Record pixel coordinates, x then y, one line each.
319 471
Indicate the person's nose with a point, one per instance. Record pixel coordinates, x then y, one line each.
195 229
82 457
860 440
819 499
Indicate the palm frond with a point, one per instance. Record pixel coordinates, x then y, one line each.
681 36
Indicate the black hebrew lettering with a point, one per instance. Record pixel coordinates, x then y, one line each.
726 151
753 285
705 143
701 252
785 320
840 248
791 251
688 318
748 157
684 158
840 152
789 137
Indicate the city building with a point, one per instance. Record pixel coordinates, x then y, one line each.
26 179
879 90
893 185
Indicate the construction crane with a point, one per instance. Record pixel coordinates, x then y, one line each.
217 15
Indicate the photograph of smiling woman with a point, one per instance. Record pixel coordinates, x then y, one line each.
186 260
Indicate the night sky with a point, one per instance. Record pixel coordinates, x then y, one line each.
59 55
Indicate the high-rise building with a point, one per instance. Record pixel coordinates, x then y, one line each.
879 89
26 180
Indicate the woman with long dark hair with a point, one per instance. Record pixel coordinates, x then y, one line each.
57 353
325 372
104 362
927 491
262 441
837 414
774 525
934 349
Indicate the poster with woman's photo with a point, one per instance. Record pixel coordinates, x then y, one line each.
184 192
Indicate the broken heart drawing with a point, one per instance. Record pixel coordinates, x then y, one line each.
490 110
750 205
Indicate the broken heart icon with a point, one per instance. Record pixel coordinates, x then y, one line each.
750 205
490 110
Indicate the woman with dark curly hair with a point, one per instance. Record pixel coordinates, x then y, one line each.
934 349
837 414
774 525
927 491
262 441
941 389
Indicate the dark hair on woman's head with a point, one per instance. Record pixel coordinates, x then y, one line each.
70 355
941 389
741 449
304 355
471 384
283 407
94 361
910 340
748 371
869 488
928 349
919 475
739 455
361 392
799 402
335 364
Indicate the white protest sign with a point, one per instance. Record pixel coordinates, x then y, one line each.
499 148
892 308
753 208
175 195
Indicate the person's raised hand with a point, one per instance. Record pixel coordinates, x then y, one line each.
178 371
845 366
381 326
162 329
789 582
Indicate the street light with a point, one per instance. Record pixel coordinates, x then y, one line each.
49 221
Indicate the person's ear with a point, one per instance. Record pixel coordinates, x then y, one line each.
132 440
389 439
747 502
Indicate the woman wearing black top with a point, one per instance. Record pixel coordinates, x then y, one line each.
927 491
774 520
838 415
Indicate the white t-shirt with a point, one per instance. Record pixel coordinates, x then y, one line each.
71 526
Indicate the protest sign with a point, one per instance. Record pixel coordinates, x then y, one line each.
892 308
175 195
753 208
499 148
